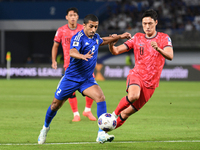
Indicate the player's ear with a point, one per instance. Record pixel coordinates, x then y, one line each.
66 17
156 22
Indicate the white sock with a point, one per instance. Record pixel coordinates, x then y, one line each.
114 114
76 113
87 109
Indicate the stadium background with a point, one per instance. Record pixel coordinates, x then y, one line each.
28 27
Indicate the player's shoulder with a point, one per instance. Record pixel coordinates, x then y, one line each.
64 27
139 35
78 36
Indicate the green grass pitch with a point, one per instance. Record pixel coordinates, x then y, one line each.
170 120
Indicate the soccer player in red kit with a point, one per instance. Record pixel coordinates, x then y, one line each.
63 36
150 51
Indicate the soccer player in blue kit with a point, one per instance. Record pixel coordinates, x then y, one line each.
78 76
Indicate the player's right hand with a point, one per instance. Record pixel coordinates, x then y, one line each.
87 56
54 65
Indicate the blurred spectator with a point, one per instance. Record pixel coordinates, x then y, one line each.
128 59
197 25
112 23
173 15
122 24
168 31
189 26
29 60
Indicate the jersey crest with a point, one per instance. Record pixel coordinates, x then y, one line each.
169 41
75 43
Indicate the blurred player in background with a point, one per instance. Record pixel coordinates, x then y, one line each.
63 36
150 51
78 76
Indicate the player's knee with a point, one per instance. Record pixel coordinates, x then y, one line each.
54 107
125 114
56 104
133 97
100 98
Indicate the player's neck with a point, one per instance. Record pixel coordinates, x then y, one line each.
72 26
151 35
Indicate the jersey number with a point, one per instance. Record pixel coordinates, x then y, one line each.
141 50
67 40
93 48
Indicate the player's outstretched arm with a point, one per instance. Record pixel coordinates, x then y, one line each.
116 50
54 52
75 54
115 38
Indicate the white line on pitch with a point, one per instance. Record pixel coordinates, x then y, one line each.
178 141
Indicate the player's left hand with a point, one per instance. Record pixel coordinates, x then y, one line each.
54 65
87 56
154 45
125 35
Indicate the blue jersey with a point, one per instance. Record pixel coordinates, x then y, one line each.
80 70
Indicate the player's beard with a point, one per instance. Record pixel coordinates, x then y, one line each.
91 34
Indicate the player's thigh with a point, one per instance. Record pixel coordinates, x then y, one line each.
94 92
65 89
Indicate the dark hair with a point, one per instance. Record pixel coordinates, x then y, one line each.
90 17
150 13
72 9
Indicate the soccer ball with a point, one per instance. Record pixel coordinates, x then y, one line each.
107 122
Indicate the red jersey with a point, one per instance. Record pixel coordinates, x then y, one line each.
63 36
148 62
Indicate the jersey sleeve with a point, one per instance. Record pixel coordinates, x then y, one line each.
75 42
129 43
166 41
58 36
100 40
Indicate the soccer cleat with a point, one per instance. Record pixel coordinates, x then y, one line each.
76 118
89 115
116 116
104 137
43 134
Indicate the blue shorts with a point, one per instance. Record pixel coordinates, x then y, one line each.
67 87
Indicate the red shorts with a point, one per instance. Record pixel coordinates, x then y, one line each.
145 93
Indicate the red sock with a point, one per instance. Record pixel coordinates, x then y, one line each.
122 105
119 122
73 103
89 102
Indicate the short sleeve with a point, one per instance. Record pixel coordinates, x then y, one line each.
58 36
75 43
129 43
100 40
166 41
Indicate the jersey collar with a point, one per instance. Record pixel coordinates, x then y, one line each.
152 36
72 29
